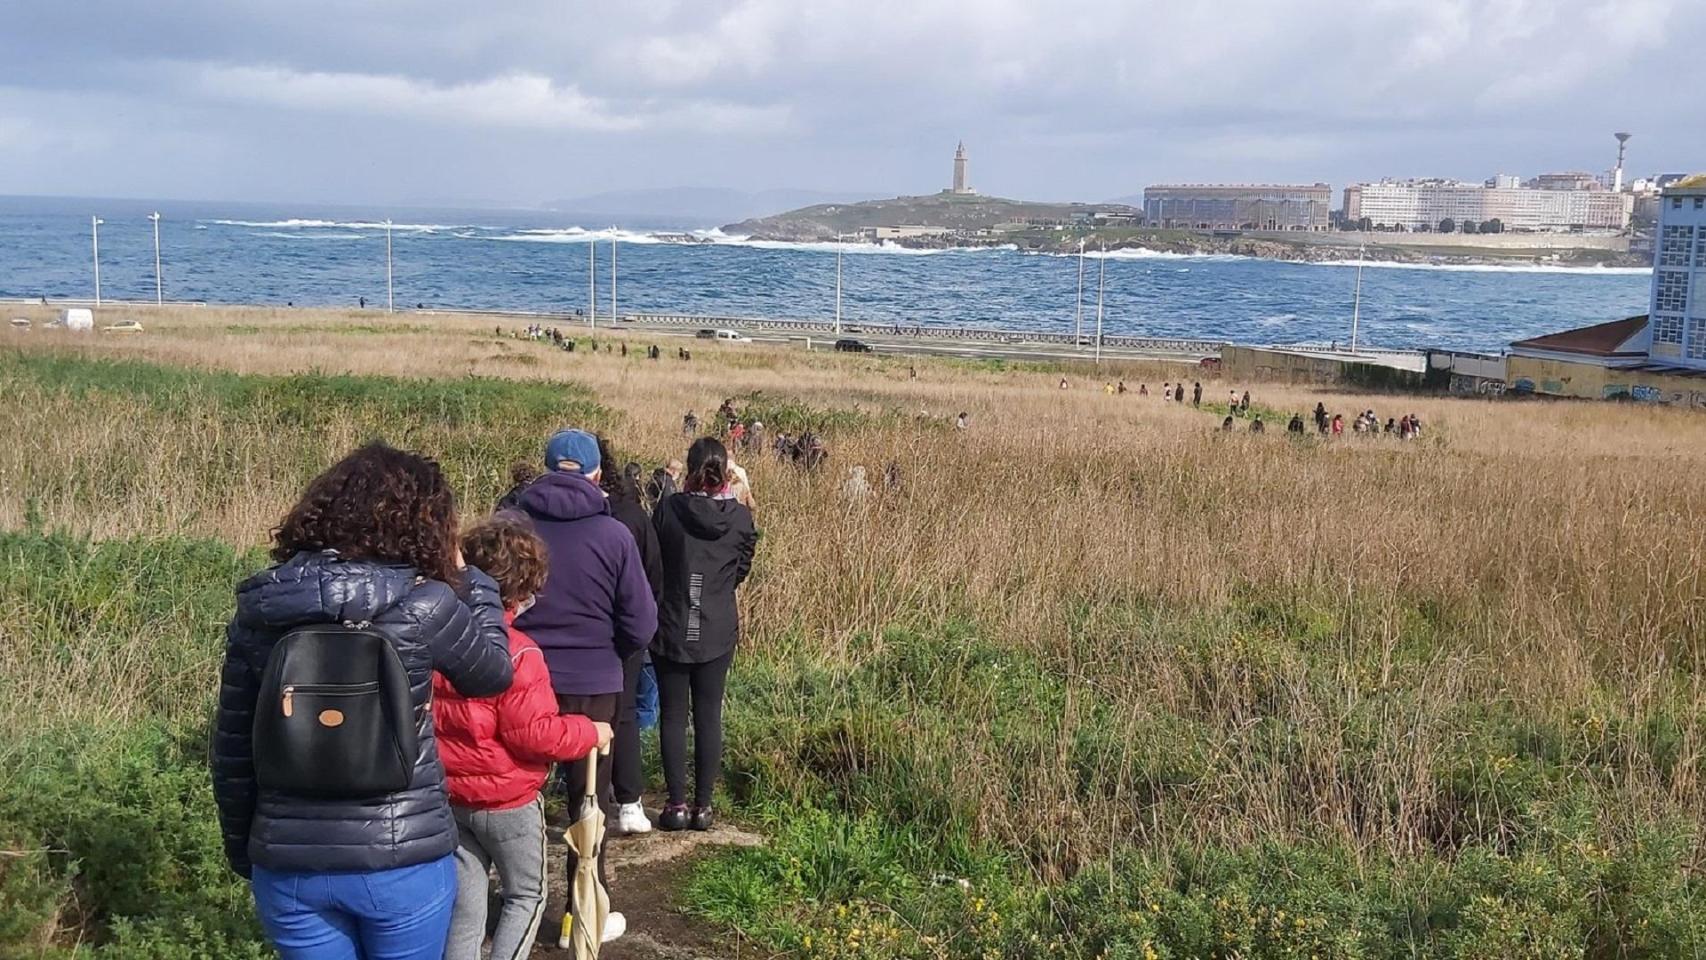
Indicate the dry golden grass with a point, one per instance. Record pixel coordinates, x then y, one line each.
1546 556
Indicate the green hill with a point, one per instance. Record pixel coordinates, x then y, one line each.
960 213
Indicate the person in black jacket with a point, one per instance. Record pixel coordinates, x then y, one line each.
371 542
707 539
627 773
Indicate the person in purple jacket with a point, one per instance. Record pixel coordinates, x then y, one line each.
596 608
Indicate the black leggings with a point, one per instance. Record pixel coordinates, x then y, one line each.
703 683
627 772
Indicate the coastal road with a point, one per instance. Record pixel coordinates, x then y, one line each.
889 344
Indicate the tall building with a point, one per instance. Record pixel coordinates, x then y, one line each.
1678 309
960 171
1238 206
1422 204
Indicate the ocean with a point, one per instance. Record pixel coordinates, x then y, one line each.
538 261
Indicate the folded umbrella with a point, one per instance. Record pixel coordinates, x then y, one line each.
589 902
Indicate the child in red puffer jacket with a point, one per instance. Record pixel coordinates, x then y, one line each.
497 752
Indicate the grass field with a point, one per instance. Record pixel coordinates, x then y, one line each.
1096 681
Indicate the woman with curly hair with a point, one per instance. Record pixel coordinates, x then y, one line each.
370 549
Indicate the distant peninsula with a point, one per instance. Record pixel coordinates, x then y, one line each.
949 219
919 220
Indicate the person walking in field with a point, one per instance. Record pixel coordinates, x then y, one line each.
497 752
1143 389
1179 392
595 610
1196 394
689 424
348 847
1320 416
1244 404
521 473
1338 425
707 540
1296 424
666 480
627 775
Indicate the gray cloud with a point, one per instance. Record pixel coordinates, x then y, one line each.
527 100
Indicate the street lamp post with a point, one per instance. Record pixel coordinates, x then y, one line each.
838 286
1078 327
95 244
159 288
613 315
390 299
1101 284
1356 304
592 284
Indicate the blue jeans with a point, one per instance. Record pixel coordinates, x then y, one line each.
401 914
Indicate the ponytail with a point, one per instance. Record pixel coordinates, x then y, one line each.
707 466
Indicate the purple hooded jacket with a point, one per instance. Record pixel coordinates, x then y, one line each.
596 607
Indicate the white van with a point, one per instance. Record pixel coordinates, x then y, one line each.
733 336
77 318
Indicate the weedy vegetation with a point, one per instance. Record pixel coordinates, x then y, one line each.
1094 680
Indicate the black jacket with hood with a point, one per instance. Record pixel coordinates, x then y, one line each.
432 628
707 545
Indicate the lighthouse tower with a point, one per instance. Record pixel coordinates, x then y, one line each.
960 171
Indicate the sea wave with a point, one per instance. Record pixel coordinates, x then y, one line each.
850 249
1543 268
305 224
283 235
575 235
1144 253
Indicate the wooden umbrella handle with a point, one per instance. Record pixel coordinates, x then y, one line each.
592 774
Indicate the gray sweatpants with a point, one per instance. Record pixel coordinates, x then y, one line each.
514 842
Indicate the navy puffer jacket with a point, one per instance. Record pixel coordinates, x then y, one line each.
432 628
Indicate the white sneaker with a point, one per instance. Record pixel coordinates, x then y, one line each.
615 925
631 819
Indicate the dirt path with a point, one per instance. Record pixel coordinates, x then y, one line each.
646 876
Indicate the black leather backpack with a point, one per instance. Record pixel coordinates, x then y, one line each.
334 717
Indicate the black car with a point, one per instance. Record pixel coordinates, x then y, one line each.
706 334
852 346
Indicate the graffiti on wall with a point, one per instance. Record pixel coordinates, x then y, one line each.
1646 393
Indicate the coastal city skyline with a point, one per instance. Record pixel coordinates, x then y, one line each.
1093 101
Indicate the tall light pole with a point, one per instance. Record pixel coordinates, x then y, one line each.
592 284
613 315
1356 304
390 300
1078 328
1101 284
159 289
95 243
838 285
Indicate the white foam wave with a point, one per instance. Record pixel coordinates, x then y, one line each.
854 248
1543 268
576 235
282 235
303 224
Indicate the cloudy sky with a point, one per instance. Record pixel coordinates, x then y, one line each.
524 101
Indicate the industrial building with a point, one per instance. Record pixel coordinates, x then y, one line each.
1423 204
1239 206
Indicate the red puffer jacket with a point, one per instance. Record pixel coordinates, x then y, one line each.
497 750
